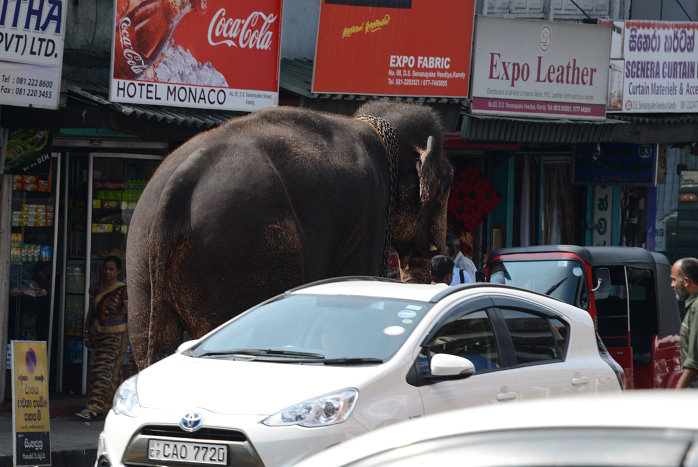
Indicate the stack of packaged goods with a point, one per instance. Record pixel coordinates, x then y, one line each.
31 183
33 215
16 247
32 253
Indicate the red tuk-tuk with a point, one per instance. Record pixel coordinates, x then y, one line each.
626 290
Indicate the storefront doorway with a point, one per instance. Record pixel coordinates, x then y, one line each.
100 194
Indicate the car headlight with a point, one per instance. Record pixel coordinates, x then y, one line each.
324 410
126 398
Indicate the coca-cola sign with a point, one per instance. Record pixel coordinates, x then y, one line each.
197 53
252 32
131 58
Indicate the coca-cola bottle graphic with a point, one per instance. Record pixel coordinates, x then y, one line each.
144 32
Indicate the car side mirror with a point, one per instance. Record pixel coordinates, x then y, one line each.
184 346
602 289
447 365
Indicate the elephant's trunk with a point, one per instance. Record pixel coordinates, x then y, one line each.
415 269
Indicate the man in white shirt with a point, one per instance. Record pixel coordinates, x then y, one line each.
462 264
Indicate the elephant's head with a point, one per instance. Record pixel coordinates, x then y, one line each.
425 176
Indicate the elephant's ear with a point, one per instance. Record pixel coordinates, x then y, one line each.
427 165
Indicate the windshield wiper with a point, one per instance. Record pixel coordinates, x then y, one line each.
264 353
552 289
351 361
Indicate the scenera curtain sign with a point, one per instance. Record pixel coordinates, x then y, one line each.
394 47
212 54
31 52
540 69
654 67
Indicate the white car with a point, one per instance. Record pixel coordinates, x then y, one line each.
633 428
326 362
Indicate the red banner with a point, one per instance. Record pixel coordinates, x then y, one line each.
394 47
197 53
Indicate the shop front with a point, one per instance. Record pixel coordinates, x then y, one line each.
67 217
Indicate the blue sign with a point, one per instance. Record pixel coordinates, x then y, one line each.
615 164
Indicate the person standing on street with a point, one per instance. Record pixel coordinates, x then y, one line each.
461 275
684 280
106 335
441 269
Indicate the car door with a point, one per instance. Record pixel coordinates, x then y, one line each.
539 338
467 332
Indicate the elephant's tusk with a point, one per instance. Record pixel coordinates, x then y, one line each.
433 247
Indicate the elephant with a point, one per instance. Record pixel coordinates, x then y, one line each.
275 199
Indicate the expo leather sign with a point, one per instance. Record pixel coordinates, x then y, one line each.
197 53
540 69
394 48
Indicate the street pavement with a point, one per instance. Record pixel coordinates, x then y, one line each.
73 441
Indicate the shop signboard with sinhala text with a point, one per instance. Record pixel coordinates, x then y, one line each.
539 69
210 54
30 408
31 52
654 66
394 47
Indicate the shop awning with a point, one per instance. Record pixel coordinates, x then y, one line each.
86 78
529 130
656 128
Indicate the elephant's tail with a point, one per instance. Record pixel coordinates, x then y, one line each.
168 245
157 226
138 281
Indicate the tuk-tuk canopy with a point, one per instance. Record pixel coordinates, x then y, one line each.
669 320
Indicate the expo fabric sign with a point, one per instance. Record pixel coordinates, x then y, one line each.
30 421
540 69
212 54
394 47
31 52
654 68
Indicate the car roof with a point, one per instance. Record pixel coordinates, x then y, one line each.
369 286
660 409
372 287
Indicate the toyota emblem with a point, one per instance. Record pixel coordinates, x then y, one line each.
191 422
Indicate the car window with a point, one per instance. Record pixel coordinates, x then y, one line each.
334 326
559 278
470 336
536 338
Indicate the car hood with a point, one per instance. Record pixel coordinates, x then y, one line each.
242 387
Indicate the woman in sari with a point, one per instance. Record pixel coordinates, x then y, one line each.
105 334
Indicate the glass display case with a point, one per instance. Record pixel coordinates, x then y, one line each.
33 243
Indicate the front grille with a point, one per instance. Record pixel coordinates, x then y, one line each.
204 433
240 449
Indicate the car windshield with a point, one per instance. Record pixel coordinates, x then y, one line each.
559 278
318 329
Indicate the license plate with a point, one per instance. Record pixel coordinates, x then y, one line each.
182 451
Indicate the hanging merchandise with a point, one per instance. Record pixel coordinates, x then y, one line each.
472 198
29 152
